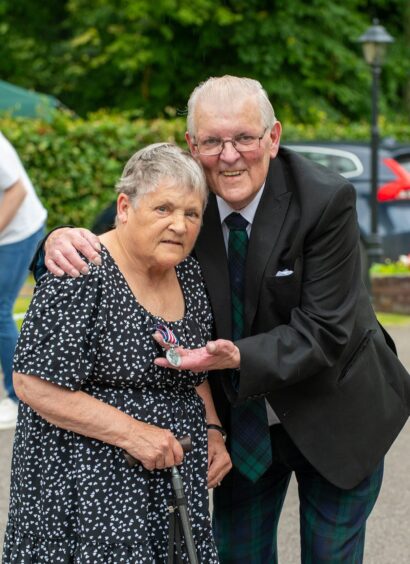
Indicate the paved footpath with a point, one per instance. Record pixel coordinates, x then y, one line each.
388 529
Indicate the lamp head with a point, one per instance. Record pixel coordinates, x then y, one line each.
374 42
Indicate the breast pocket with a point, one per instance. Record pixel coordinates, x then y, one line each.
284 287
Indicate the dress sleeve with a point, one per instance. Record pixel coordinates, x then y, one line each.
59 337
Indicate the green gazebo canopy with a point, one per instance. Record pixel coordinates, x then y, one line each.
18 101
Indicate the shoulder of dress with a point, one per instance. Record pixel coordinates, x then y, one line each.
191 265
58 287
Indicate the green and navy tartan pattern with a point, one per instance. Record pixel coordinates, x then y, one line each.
237 250
246 516
250 441
332 521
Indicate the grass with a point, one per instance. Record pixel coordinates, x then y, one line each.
23 301
393 318
22 304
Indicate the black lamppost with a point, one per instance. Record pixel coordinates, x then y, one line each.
374 42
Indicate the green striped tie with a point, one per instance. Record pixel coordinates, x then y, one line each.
250 439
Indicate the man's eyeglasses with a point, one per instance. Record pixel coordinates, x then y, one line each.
213 146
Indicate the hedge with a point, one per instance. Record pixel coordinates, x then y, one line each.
74 163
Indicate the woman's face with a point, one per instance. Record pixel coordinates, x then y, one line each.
162 229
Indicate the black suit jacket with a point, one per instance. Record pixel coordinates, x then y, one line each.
312 343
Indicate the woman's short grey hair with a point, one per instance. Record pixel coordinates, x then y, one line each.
150 166
226 88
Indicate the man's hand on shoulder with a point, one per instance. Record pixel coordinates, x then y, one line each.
62 247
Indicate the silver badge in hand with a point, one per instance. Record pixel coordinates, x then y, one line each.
173 357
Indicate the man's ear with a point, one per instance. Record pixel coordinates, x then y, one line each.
275 134
191 145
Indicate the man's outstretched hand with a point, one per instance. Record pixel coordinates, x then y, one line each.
215 355
62 247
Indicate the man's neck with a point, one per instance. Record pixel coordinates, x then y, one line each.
247 211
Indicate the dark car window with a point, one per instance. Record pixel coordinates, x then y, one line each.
404 160
338 160
344 165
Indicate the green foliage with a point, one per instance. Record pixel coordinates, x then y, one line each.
149 55
320 126
74 163
390 268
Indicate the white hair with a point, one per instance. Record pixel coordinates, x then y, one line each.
226 88
148 167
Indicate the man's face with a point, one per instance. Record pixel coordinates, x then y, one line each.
234 176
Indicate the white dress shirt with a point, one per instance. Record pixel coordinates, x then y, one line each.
248 212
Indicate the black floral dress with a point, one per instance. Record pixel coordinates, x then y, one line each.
75 499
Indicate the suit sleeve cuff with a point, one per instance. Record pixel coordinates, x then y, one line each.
38 266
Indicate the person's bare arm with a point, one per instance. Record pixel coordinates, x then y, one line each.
83 414
62 247
219 461
12 199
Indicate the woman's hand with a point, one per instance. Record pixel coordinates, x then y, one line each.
219 461
216 355
153 447
81 413
62 247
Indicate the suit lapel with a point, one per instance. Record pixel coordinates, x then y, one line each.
266 227
211 254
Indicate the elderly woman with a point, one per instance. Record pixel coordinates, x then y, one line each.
90 391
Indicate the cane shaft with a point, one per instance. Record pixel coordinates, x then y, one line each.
178 487
183 515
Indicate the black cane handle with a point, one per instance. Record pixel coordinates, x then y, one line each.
185 442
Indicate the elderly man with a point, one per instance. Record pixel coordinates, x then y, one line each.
305 380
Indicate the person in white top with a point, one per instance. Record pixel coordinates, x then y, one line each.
22 219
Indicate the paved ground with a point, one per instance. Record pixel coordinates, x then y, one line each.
388 539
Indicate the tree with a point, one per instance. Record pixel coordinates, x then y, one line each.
147 56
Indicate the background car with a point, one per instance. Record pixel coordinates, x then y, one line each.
398 151
353 161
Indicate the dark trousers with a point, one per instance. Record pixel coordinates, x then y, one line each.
332 520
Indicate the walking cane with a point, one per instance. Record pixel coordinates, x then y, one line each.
181 502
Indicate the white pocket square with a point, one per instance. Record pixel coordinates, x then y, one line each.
285 272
